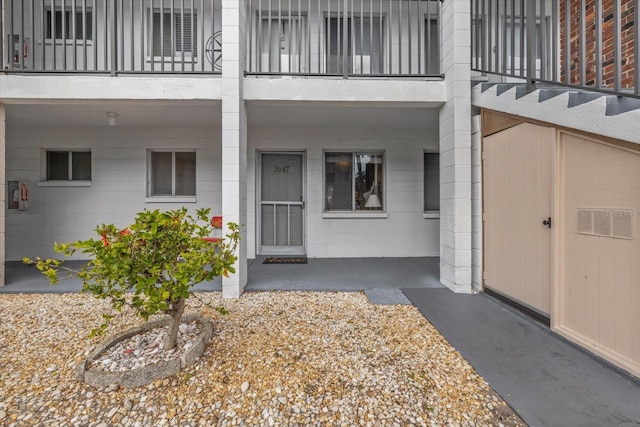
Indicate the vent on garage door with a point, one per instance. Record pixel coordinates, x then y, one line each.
618 223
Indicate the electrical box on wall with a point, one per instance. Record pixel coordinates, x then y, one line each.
18 195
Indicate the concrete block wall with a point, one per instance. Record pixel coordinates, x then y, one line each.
118 187
404 232
234 136
455 149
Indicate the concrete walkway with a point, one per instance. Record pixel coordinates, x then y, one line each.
548 381
319 274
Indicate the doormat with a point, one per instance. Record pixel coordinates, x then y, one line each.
285 260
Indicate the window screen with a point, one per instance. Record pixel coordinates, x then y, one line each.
177 36
67 26
173 173
57 165
363 35
431 182
60 163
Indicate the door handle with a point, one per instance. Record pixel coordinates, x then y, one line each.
547 222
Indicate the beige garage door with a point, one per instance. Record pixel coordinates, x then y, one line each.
599 291
517 192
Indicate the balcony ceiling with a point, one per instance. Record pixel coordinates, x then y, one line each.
340 116
208 115
130 114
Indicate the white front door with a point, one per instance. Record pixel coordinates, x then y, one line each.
281 203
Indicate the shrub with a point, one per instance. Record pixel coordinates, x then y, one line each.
158 259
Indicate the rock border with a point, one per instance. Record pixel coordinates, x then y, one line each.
147 374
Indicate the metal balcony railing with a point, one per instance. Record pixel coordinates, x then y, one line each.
587 44
375 38
110 36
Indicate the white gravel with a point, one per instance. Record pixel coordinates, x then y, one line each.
146 349
278 358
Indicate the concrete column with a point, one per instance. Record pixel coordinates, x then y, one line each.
3 188
234 137
455 148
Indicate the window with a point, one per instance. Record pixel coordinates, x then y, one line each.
514 33
172 173
68 166
432 46
431 182
83 25
283 48
364 38
174 37
354 181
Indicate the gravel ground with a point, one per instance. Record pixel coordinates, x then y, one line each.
278 358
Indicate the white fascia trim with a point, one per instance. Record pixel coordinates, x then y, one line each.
398 92
25 89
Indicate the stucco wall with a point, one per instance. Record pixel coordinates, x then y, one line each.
118 186
404 233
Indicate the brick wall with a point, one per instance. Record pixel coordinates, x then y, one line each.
606 56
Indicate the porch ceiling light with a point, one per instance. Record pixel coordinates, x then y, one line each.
112 118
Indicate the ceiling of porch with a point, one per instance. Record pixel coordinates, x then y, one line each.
162 114
341 115
129 114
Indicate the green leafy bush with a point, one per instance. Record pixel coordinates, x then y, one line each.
158 259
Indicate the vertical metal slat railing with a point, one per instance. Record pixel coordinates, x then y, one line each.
107 36
344 38
559 42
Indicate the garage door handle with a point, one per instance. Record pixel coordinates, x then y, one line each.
547 222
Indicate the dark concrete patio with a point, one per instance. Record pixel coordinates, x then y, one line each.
319 274
345 274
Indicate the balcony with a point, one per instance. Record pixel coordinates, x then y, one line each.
110 36
559 42
343 38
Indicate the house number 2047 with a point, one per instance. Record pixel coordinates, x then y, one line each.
281 169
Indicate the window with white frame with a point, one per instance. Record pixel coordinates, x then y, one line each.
354 181
172 173
68 165
66 25
432 182
174 35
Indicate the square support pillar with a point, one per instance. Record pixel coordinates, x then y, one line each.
455 149
234 137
